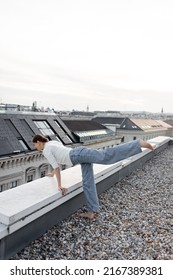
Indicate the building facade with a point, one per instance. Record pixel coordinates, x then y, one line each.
20 163
133 128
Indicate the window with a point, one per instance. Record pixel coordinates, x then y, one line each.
58 139
30 178
30 174
57 124
43 170
69 139
44 128
13 184
23 144
43 174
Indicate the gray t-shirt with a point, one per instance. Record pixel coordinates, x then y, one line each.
56 153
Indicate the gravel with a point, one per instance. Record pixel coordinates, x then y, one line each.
135 221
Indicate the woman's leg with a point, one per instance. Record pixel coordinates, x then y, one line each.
86 157
89 189
105 156
109 155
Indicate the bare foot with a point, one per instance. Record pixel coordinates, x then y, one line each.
89 215
147 145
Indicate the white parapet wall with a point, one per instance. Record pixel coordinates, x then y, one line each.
27 203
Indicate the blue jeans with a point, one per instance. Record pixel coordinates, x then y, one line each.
86 157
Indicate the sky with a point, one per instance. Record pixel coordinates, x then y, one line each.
70 54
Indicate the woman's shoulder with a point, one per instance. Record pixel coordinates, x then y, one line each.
53 143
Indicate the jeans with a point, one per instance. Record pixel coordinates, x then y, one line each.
87 156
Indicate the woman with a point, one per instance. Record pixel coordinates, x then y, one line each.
58 154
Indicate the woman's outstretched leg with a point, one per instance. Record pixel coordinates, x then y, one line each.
109 155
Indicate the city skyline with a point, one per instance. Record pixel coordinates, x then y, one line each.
108 55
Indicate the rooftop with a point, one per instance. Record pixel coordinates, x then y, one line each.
135 221
129 123
17 131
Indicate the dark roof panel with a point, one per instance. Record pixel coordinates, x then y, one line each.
83 125
108 120
128 124
5 147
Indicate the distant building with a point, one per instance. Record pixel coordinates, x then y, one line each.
81 113
13 107
92 134
132 128
145 129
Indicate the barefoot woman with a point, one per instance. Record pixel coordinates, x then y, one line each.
58 154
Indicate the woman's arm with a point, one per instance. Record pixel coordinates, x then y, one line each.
57 173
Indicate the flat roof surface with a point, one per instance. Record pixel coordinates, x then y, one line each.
135 221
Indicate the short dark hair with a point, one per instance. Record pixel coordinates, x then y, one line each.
40 138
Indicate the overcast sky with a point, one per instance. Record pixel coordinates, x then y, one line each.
107 54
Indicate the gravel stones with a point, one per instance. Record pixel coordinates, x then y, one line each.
135 221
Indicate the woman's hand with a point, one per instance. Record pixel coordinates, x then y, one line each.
50 174
57 173
63 190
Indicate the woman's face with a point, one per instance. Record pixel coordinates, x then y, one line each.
39 145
